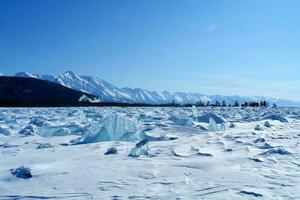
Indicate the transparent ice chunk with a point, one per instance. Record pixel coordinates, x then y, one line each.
195 112
113 128
53 131
181 121
212 127
140 148
276 117
4 130
28 130
205 118
222 127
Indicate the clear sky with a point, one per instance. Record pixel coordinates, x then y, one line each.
249 47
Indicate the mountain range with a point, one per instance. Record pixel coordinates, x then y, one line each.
110 93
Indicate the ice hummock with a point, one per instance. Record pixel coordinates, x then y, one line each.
181 121
276 117
140 149
28 130
53 131
267 124
44 146
111 150
50 130
205 118
195 112
278 150
21 172
113 128
4 130
232 125
258 128
213 126
39 121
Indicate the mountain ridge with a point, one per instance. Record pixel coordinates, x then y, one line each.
110 93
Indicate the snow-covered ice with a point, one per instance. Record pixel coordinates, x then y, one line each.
150 153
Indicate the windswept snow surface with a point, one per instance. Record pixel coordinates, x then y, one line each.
179 156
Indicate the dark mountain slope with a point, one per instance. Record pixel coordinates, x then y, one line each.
20 91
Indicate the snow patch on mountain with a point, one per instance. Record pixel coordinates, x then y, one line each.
25 74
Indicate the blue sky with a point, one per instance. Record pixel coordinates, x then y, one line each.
228 47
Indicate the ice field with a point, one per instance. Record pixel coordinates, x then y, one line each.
149 153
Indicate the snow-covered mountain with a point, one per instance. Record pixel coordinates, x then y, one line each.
25 74
111 93
91 85
43 77
106 91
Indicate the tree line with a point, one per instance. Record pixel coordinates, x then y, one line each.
224 104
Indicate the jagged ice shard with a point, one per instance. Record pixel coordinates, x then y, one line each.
113 128
195 112
212 127
140 149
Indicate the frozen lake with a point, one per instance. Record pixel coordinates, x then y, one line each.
182 153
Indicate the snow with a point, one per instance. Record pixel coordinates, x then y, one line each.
168 160
84 98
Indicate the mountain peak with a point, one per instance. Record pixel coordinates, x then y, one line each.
69 75
69 72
